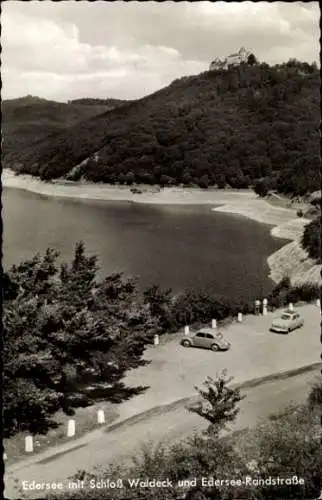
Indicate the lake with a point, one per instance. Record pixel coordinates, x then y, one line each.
172 246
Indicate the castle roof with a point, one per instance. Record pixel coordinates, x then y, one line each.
241 50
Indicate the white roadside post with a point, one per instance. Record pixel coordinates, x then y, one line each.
71 428
186 330
156 339
265 307
213 323
100 417
290 307
29 444
318 302
4 456
240 317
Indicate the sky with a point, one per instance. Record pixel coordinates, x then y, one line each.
68 50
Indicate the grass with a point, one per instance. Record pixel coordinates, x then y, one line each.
86 421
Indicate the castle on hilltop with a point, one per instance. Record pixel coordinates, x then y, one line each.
232 60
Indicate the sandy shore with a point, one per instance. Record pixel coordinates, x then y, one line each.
97 191
292 261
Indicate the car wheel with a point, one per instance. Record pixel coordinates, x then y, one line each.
215 347
186 343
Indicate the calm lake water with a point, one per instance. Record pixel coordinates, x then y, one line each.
172 246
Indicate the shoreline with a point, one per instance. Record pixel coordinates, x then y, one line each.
239 202
291 259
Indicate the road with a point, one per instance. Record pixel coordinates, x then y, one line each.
172 374
165 425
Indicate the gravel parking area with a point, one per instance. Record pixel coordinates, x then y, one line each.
174 370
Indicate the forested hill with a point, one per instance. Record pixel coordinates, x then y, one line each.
30 119
113 103
217 128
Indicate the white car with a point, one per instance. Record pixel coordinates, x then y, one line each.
288 321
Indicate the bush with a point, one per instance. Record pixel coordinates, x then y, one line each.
200 307
251 60
196 308
300 213
284 293
315 396
278 296
284 284
283 446
305 293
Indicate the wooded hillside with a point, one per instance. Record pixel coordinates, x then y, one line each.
29 120
217 128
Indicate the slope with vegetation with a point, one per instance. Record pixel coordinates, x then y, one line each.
223 127
281 458
28 120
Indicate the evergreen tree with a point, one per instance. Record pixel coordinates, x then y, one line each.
64 330
218 403
311 239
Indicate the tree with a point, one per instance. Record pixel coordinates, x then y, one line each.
218 404
293 63
160 304
251 60
311 239
187 178
221 181
261 188
203 182
239 181
166 180
9 289
65 330
129 178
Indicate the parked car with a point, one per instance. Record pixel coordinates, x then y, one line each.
288 321
207 338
